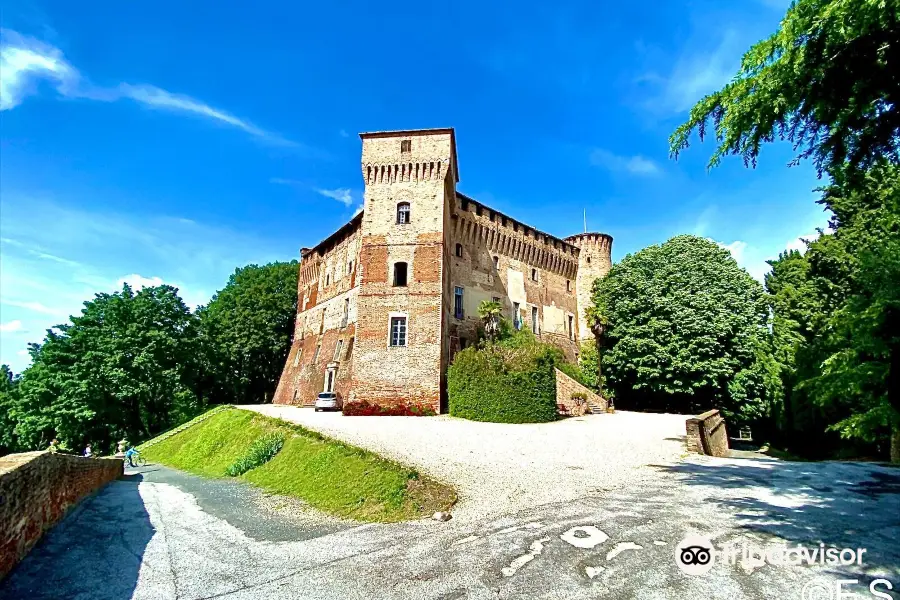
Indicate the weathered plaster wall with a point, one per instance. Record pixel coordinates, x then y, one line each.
36 490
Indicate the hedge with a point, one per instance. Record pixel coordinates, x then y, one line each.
505 383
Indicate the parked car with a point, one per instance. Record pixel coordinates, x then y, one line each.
328 401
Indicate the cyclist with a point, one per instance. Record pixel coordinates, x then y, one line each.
130 455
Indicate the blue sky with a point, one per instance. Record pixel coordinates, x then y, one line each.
172 141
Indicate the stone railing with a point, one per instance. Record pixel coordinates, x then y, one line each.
176 430
566 387
706 434
36 491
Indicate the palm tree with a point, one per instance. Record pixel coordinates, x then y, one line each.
490 312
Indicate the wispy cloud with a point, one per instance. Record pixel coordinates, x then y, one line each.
11 326
342 195
25 61
139 281
694 74
34 307
635 165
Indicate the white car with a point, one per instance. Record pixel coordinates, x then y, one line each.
328 401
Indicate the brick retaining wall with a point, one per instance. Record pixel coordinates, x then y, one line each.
566 386
36 491
706 434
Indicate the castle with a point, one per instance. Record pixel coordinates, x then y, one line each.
386 301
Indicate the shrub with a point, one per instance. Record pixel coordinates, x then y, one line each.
259 453
512 381
364 408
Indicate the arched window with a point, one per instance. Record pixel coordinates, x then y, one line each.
403 213
400 274
459 249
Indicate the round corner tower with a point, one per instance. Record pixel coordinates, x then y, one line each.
594 261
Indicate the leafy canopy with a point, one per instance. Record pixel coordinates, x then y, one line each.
828 81
686 331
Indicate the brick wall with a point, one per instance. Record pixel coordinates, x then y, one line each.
706 434
566 386
36 490
594 261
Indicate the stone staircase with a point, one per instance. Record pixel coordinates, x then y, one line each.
595 408
164 436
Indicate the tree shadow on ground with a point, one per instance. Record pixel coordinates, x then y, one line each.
95 552
840 504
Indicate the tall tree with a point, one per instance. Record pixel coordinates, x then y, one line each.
126 366
857 271
828 81
9 384
247 329
685 331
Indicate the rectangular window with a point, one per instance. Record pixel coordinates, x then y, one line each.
534 319
400 271
517 318
534 275
316 354
405 145
346 312
568 285
297 357
496 299
350 348
349 267
496 262
398 331
458 303
337 350
571 327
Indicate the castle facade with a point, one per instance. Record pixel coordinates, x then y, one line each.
386 301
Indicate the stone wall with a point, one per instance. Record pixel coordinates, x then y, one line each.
706 434
594 261
36 490
566 386
504 259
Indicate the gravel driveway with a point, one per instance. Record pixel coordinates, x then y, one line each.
500 468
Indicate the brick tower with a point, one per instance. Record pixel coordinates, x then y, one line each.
410 185
594 261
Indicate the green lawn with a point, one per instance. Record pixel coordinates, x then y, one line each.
334 477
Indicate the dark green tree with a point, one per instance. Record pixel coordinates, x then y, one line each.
246 330
857 273
126 366
9 384
686 331
828 81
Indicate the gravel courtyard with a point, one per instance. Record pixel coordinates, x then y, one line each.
500 468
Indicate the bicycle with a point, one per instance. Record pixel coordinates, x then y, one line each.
136 459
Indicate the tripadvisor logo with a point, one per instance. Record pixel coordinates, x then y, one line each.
694 555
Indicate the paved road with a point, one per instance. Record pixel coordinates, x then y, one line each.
161 534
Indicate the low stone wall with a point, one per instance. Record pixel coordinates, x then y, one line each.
36 490
706 434
566 386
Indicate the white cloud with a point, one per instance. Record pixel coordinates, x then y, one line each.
341 195
801 242
139 281
11 326
343 133
736 249
636 165
34 306
694 74
22 352
24 61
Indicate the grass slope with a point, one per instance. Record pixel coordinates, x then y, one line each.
331 476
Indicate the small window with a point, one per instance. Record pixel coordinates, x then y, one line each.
337 350
517 317
458 303
349 267
316 354
350 348
568 285
588 260
571 327
297 357
534 275
400 270
327 278
398 331
405 146
459 250
496 299
496 262
534 320
403 214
